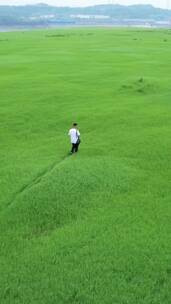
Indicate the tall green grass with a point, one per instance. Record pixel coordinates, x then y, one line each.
92 227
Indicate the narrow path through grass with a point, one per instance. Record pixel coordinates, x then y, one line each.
36 180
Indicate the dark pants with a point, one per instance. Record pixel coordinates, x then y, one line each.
74 148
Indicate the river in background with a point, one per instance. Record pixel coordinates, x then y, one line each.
57 26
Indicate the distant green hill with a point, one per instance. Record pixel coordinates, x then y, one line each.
42 13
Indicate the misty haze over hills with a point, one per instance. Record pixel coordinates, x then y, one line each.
43 15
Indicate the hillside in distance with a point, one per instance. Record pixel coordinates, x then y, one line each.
43 14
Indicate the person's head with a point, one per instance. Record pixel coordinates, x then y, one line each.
75 125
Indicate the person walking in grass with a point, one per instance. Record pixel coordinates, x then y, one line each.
75 138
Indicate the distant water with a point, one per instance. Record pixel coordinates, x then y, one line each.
22 28
13 29
10 29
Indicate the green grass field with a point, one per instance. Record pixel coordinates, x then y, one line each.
92 228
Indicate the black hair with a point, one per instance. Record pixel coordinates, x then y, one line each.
75 124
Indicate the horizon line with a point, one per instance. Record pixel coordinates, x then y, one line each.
91 5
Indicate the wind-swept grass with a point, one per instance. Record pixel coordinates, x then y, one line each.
92 227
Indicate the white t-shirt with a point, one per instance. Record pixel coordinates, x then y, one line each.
74 134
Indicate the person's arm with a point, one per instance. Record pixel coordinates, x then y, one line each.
78 133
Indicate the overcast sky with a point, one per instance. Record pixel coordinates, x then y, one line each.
159 3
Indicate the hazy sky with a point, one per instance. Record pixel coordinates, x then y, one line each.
159 3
